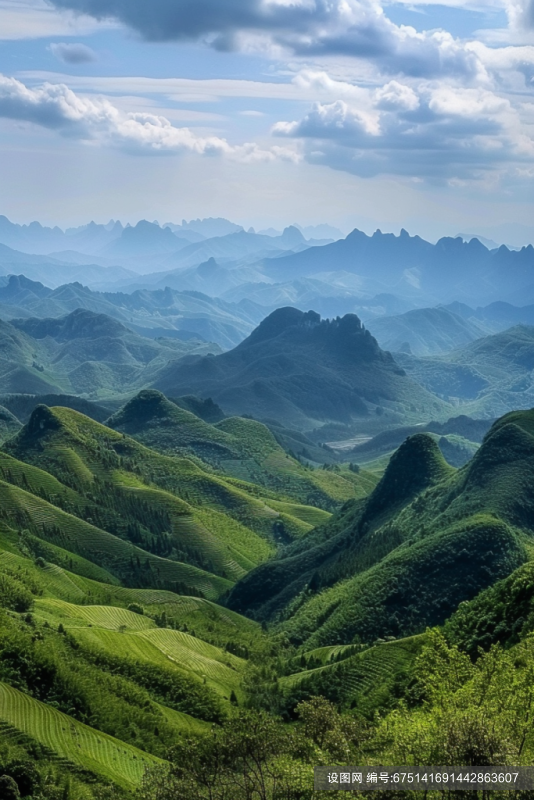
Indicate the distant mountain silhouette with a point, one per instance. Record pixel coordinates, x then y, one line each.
143 238
299 369
449 270
426 331
162 312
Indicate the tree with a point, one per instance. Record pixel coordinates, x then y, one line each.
252 756
470 714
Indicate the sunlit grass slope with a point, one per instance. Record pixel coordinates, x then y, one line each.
72 741
171 506
241 448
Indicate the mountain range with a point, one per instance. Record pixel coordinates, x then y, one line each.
261 495
450 270
301 370
83 353
161 312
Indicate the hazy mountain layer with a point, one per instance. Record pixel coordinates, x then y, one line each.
83 353
450 270
490 376
155 313
426 331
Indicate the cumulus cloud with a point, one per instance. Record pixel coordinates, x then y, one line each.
75 53
357 28
57 107
438 131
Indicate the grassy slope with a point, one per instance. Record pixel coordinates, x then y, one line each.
60 590
427 539
95 620
76 743
125 633
243 449
224 527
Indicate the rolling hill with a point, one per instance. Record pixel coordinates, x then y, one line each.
300 370
109 656
84 353
489 377
241 448
427 539
185 523
151 312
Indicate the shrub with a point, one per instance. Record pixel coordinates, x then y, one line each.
14 595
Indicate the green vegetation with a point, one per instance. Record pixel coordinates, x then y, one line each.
489 377
83 353
241 448
427 539
149 513
303 371
78 744
127 667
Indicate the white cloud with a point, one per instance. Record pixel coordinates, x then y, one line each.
395 95
97 120
180 89
423 131
521 13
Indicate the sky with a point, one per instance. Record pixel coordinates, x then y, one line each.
351 112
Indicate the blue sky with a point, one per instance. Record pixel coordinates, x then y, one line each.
352 112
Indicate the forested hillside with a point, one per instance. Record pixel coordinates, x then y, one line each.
135 572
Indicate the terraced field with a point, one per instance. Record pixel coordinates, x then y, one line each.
107 550
170 650
108 617
200 614
312 517
71 741
364 672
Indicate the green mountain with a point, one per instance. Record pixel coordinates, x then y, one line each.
102 666
23 405
488 377
123 567
153 312
300 370
9 424
141 507
83 353
458 439
241 448
427 539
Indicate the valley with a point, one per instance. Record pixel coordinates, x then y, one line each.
234 524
